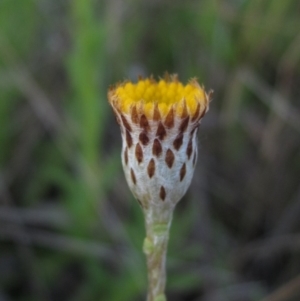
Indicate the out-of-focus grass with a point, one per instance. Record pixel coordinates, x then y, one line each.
85 65
69 227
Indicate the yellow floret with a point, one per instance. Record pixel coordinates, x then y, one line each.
165 93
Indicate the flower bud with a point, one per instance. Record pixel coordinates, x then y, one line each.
159 122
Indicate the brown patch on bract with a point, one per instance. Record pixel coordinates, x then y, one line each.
162 193
139 153
143 137
111 89
140 203
134 115
151 168
133 178
184 111
169 158
125 123
195 158
128 139
156 148
166 76
117 116
195 116
189 149
126 156
202 114
144 124
194 130
152 79
156 113
118 119
182 172
161 131
178 141
169 121
184 124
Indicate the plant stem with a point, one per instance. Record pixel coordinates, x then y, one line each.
158 221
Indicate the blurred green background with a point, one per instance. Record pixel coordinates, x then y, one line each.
70 229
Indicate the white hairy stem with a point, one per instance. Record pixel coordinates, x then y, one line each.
158 221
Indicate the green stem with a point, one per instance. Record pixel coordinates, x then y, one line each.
158 221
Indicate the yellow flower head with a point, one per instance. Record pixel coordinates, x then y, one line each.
165 93
159 122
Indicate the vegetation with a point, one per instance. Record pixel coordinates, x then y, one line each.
70 229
